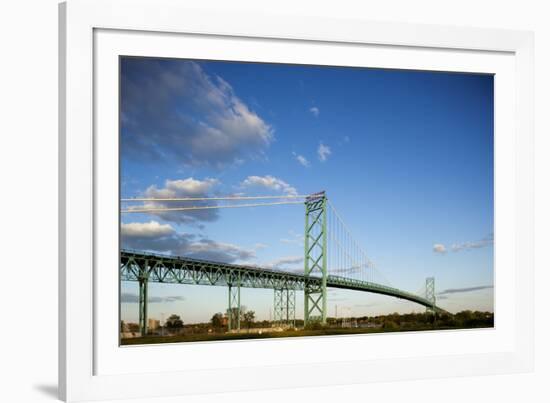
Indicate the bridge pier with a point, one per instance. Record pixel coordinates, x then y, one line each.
284 305
234 307
143 285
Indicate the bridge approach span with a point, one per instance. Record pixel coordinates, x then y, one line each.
148 267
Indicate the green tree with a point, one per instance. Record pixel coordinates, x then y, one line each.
174 322
249 317
389 324
217 320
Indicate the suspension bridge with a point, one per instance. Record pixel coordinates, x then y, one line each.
332 259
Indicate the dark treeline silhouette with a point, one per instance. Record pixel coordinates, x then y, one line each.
411 321
390 322
217 327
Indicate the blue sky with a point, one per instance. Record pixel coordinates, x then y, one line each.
406 158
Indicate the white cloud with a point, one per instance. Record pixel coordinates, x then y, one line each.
482 243
469 245
323 152
182 188
269 182
151 229
301 159
173 110
218 251
315 111
164 239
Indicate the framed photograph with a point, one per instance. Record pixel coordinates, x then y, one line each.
333 202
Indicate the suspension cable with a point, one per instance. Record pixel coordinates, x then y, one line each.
190 208
172 199
348 254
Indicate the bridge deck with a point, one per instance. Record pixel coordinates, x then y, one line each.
184 270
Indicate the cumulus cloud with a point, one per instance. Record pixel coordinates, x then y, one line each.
323 152
439 248
151 229
301 159
187 187
218 251
182 188
466 289
314 111
271 183
148 238
172 110
169 241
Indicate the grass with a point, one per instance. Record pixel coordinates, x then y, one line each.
269 335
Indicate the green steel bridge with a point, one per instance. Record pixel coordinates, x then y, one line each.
331 260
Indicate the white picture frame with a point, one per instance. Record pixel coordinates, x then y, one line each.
91 366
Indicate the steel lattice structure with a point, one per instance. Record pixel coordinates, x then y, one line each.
354 269
148 267
234 306
315 259
430 293
284 304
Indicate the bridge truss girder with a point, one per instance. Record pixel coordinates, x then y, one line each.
173 270
145 268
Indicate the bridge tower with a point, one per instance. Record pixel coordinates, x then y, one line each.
315 259
430 293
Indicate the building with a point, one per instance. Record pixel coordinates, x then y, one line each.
153 324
